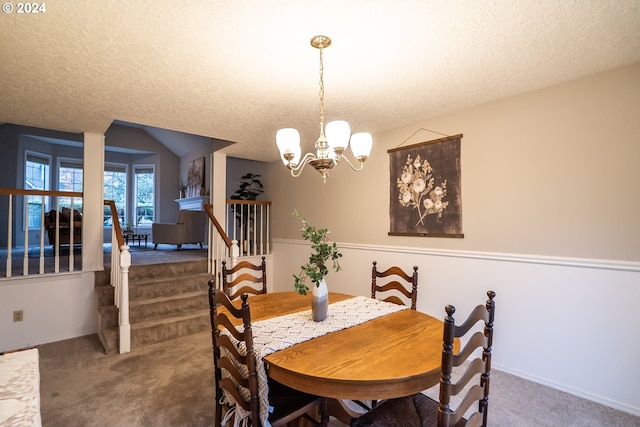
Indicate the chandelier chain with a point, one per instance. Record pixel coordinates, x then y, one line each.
321 93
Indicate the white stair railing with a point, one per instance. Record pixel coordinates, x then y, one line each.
28 204
248 222
120 263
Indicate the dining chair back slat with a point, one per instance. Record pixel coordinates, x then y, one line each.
226 355
395 281
240 279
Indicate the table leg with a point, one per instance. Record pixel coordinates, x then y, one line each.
340 411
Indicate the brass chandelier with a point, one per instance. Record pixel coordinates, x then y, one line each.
330 148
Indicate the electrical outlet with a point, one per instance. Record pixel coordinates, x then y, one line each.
18 316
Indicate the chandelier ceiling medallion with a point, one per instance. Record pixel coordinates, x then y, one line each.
330 148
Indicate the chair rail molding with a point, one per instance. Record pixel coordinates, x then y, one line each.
600 264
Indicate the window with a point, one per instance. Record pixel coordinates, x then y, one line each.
70 179
143 197
115 188
36 177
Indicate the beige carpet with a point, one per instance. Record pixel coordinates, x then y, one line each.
171 384
168 384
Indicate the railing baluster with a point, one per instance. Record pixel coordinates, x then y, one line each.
9 238
42 235
25 242
71 230
268 229
254 228
56 245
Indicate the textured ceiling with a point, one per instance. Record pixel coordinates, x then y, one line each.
239 70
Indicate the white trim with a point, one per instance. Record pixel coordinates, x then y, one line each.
600 264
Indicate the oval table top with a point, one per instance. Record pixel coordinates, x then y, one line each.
391 356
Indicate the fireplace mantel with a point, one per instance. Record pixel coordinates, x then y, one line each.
193 203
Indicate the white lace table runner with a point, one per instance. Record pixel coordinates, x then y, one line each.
281 332
20 389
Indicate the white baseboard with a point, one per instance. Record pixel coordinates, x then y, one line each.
575 392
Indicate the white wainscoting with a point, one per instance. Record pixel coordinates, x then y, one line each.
56 307
558 320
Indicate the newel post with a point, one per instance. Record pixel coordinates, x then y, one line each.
235 251
124 328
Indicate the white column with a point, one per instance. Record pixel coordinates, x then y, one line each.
92 206
219 185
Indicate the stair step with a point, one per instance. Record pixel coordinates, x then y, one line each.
102 277
104 294
170 269
109 339
153 308
158 330
168 286
107 316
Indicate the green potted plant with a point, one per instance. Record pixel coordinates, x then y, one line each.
182 189
316 269
250 188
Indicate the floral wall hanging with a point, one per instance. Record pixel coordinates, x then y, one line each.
425 190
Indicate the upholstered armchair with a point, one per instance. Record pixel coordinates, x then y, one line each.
190 228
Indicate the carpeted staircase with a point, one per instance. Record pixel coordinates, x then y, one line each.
166 301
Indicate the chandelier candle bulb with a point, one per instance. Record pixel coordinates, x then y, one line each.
330 148
361 144
338 133
288 141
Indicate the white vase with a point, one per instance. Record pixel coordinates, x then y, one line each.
320 301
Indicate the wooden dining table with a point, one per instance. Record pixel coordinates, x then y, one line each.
390 356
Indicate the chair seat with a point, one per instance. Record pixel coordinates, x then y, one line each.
401 412
287 401
417 410
420 410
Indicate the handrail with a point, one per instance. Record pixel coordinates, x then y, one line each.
248 202
115 221
23 192
209 210
220 247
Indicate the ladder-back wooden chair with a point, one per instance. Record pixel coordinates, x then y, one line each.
395 281
240 279
418 409
236 372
